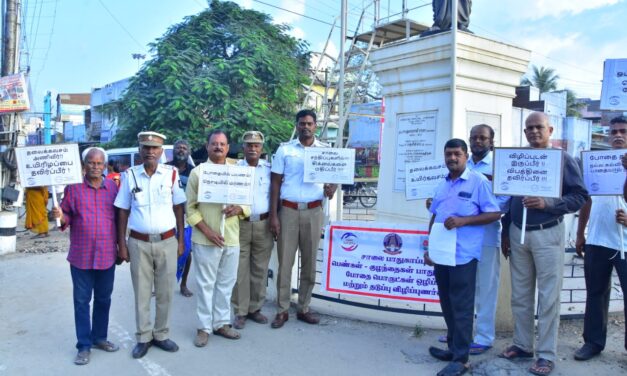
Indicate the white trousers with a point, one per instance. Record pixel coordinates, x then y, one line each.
486 294
216 272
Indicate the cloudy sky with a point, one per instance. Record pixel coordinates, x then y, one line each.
76 45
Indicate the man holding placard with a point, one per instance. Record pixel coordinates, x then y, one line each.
462 204
88 211
150 203
298 224
602 248
255 239
215 245
540 260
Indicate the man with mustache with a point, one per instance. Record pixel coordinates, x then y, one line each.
463 201
298 224
150 203
540 260
216 255
180 160
87 209
255 239
601 255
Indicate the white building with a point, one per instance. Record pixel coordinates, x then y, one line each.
104 123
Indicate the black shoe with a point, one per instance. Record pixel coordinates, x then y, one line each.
166 345
587 352
454 369
141 349
443 355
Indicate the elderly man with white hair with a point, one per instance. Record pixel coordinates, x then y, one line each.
89 212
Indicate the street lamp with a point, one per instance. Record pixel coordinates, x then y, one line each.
138 57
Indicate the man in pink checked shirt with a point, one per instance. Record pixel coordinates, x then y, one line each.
88 210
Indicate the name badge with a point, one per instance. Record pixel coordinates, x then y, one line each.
465 194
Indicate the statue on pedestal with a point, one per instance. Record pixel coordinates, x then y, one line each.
442 16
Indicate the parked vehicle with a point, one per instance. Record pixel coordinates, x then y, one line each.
366 193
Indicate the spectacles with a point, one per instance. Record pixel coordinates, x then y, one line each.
614 132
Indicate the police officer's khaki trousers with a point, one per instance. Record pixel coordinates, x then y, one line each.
300 229
255 248
152 263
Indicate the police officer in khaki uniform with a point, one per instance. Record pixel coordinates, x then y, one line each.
151 204
255 239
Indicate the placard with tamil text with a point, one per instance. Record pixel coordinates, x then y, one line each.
415 141
45 165
528 172
225 184
603 171
422 178
329 165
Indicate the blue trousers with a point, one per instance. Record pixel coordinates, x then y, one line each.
456 286
100 283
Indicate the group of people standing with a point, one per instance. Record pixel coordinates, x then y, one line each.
464 201
158 206
156 210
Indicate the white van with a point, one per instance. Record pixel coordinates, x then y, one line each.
127 157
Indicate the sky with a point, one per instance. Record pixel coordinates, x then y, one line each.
72 46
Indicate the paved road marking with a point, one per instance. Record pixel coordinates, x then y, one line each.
127 342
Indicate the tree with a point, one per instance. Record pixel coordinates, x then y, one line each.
226 68
572 105
543 78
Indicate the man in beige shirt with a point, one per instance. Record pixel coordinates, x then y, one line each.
216 254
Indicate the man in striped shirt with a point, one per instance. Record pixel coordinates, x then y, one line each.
88 210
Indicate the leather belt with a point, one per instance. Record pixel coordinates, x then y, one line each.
257 218
542 226
301 205
151 238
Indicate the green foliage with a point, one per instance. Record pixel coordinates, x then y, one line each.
572 105
543 78
227 68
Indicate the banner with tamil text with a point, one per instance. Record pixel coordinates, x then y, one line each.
378 260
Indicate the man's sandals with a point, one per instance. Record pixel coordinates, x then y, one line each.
542 367
515 352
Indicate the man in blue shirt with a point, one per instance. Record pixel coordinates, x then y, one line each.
463 201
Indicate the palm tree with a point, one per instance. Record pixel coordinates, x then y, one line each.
543 78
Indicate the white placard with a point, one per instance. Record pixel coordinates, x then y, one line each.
378 260
225 184
442 244
415 142
528 172
329 165
614 89
422 178
603 171
44 165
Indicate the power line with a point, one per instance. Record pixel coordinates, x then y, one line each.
120 24
43 64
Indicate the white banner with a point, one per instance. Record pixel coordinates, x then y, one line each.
225 184
603 172
329 165
614 89
528 172
415 141
422 178
44 165
378 260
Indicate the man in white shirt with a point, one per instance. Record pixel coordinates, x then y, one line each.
151 205
602 248
298 224
255 239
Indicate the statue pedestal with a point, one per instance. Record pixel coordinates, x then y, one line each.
416 80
